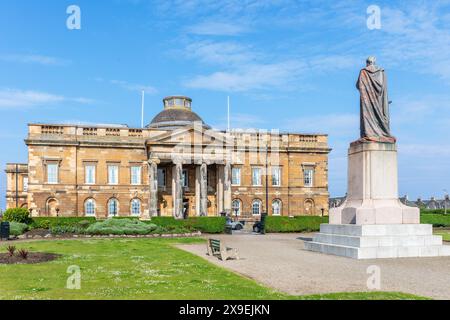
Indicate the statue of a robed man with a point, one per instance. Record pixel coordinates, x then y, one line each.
372 84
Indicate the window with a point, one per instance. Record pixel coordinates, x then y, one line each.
113 207
52 173
135 207
308 177
89 171
256 207
162 177
136 175
276 207
113 174
276 176
89 207
25 184
236 176
185 179
236 207
256 176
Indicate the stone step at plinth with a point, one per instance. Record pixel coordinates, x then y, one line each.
378 229
377 241
379 252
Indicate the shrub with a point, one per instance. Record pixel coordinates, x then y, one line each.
50 222
23 254
17 228
434 211
203 224
295 224
121 227
11 250
63 229
17 215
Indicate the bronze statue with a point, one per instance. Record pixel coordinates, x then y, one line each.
372 85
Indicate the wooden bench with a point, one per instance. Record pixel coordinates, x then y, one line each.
217 248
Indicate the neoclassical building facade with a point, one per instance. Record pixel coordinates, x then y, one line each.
176 166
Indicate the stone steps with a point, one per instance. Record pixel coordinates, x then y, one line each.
379 252
378 241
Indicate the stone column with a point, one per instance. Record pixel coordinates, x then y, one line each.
177 190
219 189
197 190
227 188
153 182
204 190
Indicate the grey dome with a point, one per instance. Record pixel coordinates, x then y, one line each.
173 117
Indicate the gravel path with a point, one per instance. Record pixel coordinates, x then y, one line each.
279 261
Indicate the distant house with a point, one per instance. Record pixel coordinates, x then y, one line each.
431 204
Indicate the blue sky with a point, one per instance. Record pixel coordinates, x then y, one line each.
288 65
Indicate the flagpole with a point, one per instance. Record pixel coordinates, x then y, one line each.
142 109
229 126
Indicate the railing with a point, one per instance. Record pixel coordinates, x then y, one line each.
52 130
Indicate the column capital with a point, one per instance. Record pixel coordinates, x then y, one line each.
154 160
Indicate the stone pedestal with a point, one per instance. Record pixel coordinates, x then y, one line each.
372 222
372 196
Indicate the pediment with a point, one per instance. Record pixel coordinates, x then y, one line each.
189 134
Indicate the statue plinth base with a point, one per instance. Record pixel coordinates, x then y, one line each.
372 196
372 222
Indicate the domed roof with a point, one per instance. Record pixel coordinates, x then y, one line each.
177 113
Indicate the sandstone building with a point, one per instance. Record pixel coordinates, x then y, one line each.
176 166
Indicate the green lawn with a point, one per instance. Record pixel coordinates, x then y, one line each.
444 233
136 269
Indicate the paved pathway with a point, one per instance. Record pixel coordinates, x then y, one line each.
279 261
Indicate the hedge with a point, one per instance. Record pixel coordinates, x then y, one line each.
294 224
437 220
51 222
434 211
203 224
121 227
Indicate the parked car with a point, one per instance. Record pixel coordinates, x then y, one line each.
235 225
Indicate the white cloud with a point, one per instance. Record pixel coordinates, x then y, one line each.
33 58
217 29
130 86
14 98
250 77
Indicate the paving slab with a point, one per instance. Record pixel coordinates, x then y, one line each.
281 262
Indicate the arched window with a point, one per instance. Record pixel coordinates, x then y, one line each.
135 207
89 207
276 207
237 205
113 207
256 207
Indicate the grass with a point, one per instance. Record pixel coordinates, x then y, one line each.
444 233
137 269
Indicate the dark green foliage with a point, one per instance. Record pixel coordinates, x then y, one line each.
434 211
295 224
49 223
203 224
437 220
63 229
20 215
